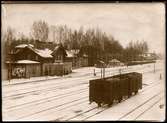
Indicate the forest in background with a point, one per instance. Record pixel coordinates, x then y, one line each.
98 45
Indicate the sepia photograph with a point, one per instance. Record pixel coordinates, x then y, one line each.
83 61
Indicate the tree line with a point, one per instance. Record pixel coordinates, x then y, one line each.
92 41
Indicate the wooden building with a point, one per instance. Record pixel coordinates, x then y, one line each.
114 63
50 69
76 59
83 60
30 53
23 69
59 54
28 61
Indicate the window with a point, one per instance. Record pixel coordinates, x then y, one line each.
36 58
29 56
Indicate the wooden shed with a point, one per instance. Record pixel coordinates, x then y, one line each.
24 69
59 69
114 62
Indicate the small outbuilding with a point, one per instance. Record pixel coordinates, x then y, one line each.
114 63
24 69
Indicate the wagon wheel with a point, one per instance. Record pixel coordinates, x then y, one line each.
136 92
99 104
129 95
119 100
110 104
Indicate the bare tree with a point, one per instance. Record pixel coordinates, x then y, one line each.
60 33
52 31
8 38
134 49
144 48
9 35
40 30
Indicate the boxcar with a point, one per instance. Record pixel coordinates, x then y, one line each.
115 88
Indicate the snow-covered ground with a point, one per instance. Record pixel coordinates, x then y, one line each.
67 97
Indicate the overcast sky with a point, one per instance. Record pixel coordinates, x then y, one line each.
125 22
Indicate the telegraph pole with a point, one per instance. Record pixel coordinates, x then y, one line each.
154 63
104 72
94 70
9 72
101 72
120 71
154 67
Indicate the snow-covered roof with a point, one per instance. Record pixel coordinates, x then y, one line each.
27 62
46 53
72 53
114 60
84 55
75 51
102 62
24 45
69 54
8 62
56 48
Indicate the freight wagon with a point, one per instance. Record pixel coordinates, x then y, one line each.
115 88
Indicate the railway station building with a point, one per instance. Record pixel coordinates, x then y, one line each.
27 61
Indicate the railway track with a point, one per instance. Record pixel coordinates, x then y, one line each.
87 111
50 104
148 108
43 85
62 104
94 111
51 98
148 100
42 101
54 87
35 102
32 89
47 98
36 81
53 82
53 90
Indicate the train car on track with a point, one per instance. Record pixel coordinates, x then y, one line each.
115 88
